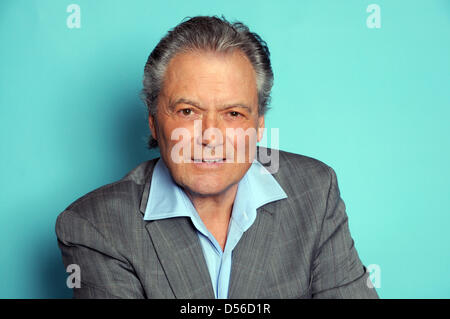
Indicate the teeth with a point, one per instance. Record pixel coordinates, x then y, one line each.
212 161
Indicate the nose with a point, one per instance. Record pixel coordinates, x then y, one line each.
212 135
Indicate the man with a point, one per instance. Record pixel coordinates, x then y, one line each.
212 217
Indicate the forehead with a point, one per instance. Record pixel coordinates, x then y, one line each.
211 77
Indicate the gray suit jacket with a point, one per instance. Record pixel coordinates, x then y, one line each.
298 247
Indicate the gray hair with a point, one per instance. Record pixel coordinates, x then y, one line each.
208 34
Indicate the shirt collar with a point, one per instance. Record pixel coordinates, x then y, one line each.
166 199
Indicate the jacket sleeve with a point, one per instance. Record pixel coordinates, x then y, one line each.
104 273
337 270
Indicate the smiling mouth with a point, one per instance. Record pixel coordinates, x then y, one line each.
209 160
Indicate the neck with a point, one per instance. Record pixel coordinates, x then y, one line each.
215 212
214 207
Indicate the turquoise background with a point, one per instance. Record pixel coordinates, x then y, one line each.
371 103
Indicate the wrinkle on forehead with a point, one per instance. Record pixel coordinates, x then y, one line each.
212 77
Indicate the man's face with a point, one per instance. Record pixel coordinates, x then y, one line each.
213 91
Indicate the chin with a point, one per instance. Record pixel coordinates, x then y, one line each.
205 188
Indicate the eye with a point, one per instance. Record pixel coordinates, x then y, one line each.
186 111
234 114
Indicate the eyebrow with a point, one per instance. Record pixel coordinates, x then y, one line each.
196 104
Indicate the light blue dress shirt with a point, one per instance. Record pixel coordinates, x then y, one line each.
255 189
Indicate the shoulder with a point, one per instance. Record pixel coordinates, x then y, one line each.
296 173
308 183
111 203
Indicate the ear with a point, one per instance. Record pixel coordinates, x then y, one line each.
260 128
152 126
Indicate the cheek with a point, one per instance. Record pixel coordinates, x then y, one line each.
242 137
174 132
177 138
242 145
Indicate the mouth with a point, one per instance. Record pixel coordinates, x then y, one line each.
209 160
209 163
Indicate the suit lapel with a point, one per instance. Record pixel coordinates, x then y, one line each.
250 256
178 248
